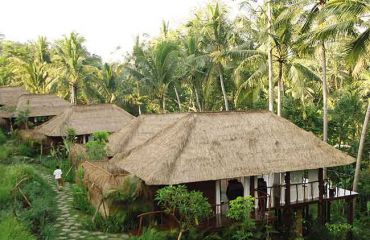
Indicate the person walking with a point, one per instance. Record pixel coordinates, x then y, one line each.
58 177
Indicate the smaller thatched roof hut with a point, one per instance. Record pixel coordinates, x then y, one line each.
9 95
40 105
87 119
196 147
8 100
100 183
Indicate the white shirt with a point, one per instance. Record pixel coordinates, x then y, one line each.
58 174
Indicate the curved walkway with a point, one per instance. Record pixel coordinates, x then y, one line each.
67 224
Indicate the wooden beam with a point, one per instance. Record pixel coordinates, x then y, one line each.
321 195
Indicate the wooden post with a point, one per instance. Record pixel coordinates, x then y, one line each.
251 186
218 203
321 195
350 215
287 188
287 211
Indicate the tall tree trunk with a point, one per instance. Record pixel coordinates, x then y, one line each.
223 88
180 235
177 98
361 148
197 99
324 97
139 109
280 88
73 94
271 83
163 104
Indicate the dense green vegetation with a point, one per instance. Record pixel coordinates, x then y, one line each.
27 202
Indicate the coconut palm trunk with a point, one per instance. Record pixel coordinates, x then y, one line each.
197 99
324 97
280 88
223 88
177 98
361 148
73 97
271 94
164 104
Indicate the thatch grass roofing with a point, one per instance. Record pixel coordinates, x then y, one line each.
8 100
9 95
210 146
140 130
40 105
87 119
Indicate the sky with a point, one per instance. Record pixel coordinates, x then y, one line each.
105 24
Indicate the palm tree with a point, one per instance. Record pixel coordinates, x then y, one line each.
156 68
33 68
70 58
108 81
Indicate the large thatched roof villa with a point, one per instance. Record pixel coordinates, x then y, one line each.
86 119
275 161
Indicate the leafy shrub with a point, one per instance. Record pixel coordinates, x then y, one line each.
240 209
339 231
11 228
151 234
25 149
3 137
71 135
4 153
101 137
96 150
22 118
189 208
80 199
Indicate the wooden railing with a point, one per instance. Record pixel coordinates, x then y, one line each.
302 192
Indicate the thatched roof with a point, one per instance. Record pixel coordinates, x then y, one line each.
210 146
9 95
139 131
8 100
41 105
87 119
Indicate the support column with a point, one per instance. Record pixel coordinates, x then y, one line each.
246 184
218 202
287 212
350 216
252 193
321 196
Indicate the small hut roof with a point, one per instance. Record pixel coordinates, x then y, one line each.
139 131
41 105
8 100
87 119
211 146
9 95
